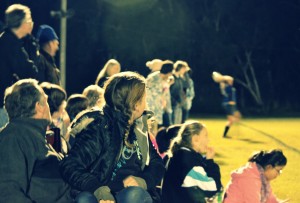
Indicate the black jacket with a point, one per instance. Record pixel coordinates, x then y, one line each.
14 62
92 159
182 162
29 169
48 71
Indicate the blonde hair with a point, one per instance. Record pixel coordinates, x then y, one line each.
103 72
184 136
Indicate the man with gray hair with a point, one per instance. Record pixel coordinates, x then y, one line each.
14 61
29 169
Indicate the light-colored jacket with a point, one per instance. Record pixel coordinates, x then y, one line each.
245 186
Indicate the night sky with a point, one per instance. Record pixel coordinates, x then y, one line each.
232 37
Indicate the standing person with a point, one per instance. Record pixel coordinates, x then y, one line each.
229 99
189 91
111 158
251 183
158 94
111 67
199 177
177 91
49 45
29 169
14 61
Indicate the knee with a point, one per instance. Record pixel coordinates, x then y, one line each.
134 194
85 197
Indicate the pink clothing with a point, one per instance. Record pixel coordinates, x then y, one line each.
246 186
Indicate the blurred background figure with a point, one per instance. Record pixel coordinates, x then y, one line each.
251 183
165 136
49 45
177 91
228 92
156 64
189 91
111 67
95 95
75 104
57 102
60 119
14 61
158 94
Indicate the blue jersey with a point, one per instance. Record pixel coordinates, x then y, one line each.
229 93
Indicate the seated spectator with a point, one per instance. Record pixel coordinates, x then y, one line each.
95 95
164 138
111 158
29 170
75 104
251 183
57 102
111 67
190 177
60 119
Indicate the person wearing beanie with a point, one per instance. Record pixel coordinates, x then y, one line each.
49 45
15 63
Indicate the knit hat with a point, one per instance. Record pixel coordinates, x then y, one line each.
46 34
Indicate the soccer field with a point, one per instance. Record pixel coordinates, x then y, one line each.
259 134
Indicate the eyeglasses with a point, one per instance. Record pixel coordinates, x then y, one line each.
279 171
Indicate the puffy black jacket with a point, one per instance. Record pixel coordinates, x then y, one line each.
90 162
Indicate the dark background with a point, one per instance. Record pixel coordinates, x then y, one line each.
255 41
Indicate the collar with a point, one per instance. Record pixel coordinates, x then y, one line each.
39 125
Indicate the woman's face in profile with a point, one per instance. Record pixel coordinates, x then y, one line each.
272 172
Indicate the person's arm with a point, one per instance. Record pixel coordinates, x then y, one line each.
84 153
154 172
197 176
213 170
16 166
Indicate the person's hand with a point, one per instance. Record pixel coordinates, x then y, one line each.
130 181
210 153
106 201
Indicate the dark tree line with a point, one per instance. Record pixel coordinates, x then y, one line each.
257 42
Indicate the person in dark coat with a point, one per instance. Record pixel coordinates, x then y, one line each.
49 45
14 61
112 159
29 169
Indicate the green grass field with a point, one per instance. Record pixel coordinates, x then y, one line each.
259 134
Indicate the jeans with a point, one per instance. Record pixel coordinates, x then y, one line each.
86 197
3 117
133 195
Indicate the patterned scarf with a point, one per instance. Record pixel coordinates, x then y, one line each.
265 186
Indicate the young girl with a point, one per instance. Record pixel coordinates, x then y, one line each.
191 177
111 158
